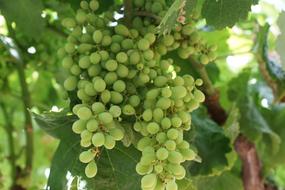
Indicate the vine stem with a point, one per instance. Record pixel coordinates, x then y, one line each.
128 12
28 120
148 14
8 127
251 167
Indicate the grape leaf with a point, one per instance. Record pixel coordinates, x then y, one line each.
26 14
252 123
211 143
223 13
223 182
116 168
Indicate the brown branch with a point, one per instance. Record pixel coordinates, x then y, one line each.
128 12
251 167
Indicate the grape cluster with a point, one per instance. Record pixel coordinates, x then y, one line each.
121 77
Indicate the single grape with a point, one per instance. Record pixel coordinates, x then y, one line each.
105 117
70 83
117 134
172 134
152 128
162 154
86 156
91 169
109 142
171 185
98 139
98 107
149 181
143 44
84 113
115 111
99 85
119 86
122 30
78 126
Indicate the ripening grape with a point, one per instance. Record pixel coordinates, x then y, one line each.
149 181
86 156
91 169
98 139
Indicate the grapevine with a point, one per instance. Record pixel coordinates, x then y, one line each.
121 76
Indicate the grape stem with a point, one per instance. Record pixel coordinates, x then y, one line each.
148 14
128 12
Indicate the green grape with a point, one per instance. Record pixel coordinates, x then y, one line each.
69 23
137 126
157 114
152 94
143 44
92 125
178 81
82 95
84 113
178 92
204 59
152 128
160 81
148 54
122 57
139 3
134 100
159 185
106 41
70 83
83 48
183 145
116 97
168 40
162 154
171 185
161 137
127 44
115 47
122 71
158 168
94 70
80 17
105 117
166 92
98 139
117 134
199 96
84 5
212 56
165 123
156 7
78 126
162 50
95 58
99 85
109 142
115 111
86 156
105 96
119 86
199 82
91 169
128 110
175 157
86 135
98 107
94 5
142 169
176 122
85 143
150 37
148 151
147 159
163 103
170 144
134 57
111 65
144 142
149 181
147 115
75 70
122 30
188 154
110 78
104 55
67 62
172 134
89 89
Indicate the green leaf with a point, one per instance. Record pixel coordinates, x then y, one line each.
56 124
223 182
211 143
223 13
170 18
26 14
252 123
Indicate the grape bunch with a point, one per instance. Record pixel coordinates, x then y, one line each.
121 77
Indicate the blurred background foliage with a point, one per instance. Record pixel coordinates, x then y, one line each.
30 35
